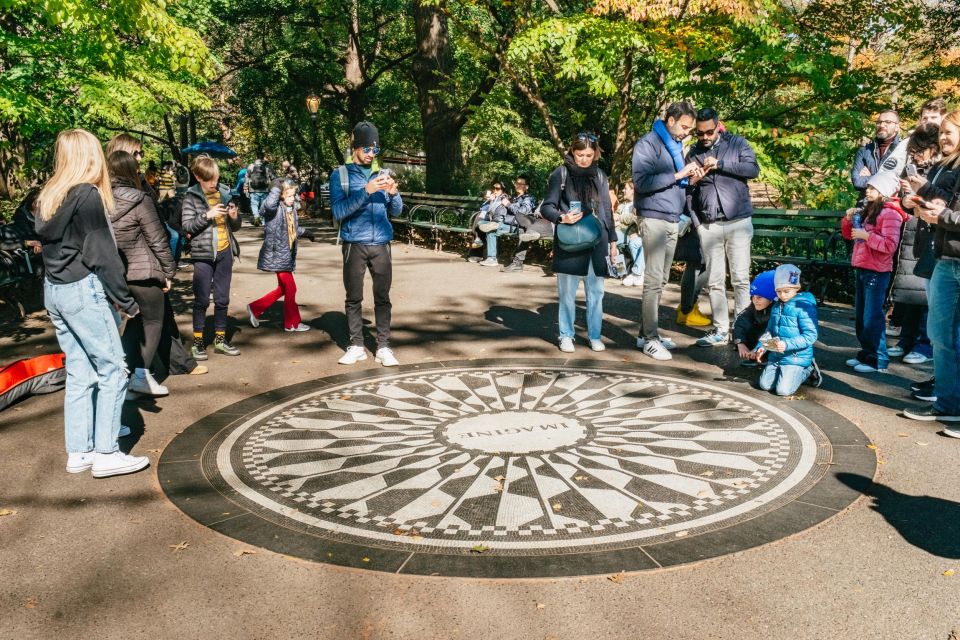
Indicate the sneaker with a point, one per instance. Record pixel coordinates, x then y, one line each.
476 244
924 396
489 262
529 236
566 345
694 318
853 362
353 355
714 338
386 358
79 462
951 433
513 267
815 379
667 343
198 353
929 414
124 431
474 259
225 348
628 280
487 227
597 345
656 350
893 332
895 352
254 322
925 385
865 368
915 357
299 327
117 464
199 370
146 385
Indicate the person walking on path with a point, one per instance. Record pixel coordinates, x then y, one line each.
719 199
873 156
210 220
279 253
363 210
577 191
142 241
660 179
83 282
257 183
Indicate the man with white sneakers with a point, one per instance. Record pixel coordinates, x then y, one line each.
362 201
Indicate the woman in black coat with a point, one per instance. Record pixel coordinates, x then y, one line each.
580 182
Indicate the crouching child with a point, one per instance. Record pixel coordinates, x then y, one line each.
752 322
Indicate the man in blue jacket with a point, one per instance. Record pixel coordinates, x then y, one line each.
878 153
719 202
363 211
660 179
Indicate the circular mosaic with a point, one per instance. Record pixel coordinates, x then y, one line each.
503 469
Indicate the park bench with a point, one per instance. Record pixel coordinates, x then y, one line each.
20 275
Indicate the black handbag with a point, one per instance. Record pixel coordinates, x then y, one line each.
926 259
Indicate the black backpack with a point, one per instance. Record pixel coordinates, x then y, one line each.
258 177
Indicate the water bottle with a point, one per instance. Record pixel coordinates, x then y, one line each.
857 223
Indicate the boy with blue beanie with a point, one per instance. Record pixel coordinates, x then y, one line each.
752 321
793 329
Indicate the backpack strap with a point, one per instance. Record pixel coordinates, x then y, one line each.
344 179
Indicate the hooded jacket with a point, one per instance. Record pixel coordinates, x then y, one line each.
877 251
946 242
364 218
869 156
77 241
657 193
723 194
141 237
276 254
794 322
908 288
202 230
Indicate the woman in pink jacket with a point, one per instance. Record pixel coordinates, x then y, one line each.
875 230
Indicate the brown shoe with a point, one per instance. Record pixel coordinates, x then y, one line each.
199 370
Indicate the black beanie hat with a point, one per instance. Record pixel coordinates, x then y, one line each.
365 134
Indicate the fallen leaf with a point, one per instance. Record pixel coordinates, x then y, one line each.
244 552
580 478
872 446
294 362
557 506
703 494
7 512
498 487
948 572
344 397
479 548
707 473
923 444
903 435
153 450
617 578
31 603
435 503
179 547
365 559
681 534
540 605
499 478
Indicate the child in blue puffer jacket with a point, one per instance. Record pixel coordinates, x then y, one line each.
792 331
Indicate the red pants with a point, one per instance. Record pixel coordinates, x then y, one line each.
286 289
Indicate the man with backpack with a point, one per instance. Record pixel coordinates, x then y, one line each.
362 201
257 184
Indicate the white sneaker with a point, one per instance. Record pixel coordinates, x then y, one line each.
853 362
254 322
915 357
865 368
353 355
656 350
529 236
386 358
79 462
627 280
597 345
489 262
299 327
566 345
143 382
117 464
667 343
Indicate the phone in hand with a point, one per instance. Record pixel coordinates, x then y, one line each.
385 173
911 170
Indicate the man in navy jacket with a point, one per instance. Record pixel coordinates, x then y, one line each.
878 153
719 202
363 211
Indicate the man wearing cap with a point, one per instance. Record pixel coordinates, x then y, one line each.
363 210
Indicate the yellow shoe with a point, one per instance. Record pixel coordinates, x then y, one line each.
697 319
681 317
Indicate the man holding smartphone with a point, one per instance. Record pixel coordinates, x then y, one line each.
363 210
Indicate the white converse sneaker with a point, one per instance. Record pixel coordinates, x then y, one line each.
667 343
656 350
597 345
386 358
144 383
566 345
79 462
117 464
353 355
299 327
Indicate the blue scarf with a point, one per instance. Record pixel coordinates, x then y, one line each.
674 147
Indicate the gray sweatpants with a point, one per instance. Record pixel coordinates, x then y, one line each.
659 242
723 242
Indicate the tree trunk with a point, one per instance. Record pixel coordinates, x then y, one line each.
441 123
184 134
193 128
622 145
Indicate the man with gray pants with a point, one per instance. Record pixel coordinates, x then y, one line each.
719 200
660 178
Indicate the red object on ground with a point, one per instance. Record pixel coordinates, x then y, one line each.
32 376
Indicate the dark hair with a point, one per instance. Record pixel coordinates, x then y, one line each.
260 154
122 166
679 109
581 142
496 184
708 113
926 136
524 177
871 211
936 104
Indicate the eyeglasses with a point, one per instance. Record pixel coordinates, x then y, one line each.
887 122
137 154
703 134
374 150
589 137
498 188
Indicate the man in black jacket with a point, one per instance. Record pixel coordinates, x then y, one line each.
719 199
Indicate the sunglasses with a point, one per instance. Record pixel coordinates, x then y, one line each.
137 154
589 137
702 134
374 150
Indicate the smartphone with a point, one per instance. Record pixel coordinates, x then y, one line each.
575 206
385 173
911 170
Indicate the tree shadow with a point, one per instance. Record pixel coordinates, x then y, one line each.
926 522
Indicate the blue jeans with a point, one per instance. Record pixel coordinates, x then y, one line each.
96 373
786 377
502 230
635 248
256 199
871 323
176 243
567 286
943 325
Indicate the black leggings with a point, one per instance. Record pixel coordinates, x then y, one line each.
142 335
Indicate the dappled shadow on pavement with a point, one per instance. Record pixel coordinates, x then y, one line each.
926 522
